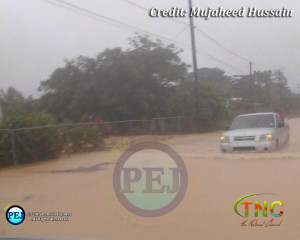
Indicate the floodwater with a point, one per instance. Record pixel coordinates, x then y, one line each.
82 186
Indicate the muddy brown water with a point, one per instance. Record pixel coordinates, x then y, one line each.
82 185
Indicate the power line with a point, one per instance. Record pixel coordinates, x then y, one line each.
79 12
228 35
242 38
146 9
178 34
135 4
223 63
107 20
200 31
246 41
119 24
208 37
222 46
116 23
205 34
265 66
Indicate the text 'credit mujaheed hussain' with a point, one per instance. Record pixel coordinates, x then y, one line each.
220 12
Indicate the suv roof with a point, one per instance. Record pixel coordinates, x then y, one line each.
262 113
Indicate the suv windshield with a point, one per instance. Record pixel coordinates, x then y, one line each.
253 121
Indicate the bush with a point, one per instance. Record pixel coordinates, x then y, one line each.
83 138
30 144
41 142
5 148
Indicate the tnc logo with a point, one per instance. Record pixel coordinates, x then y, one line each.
258 207
150 179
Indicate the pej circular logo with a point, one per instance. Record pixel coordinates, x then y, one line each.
15 215
150 179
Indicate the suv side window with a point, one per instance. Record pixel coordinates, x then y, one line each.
278 120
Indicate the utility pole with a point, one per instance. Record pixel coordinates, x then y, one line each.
196 80
251 86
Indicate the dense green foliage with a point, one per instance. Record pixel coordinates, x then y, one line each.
146 81
29 144
42 143
116 85
149 80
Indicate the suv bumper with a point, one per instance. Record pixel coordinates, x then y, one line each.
252 146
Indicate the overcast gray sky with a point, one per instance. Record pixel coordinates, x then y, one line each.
36 36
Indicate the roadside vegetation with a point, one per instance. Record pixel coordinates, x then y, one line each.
146 81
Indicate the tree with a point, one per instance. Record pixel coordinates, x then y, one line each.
12 95
267 88
117 84
11 100
212 104
217 79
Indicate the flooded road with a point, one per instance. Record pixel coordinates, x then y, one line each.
82 186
